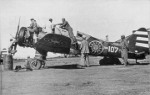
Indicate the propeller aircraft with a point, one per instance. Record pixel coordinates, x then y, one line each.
60 42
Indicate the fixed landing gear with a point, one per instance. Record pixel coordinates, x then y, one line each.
109 61
36 64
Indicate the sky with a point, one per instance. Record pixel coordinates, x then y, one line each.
94 17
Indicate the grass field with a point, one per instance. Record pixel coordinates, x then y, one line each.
63 78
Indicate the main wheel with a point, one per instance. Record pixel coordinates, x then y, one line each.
109 61
35 64
102 62
116 61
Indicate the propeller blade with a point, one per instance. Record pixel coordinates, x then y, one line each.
18 28
13 50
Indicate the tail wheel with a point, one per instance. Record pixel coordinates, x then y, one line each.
35 64
101 62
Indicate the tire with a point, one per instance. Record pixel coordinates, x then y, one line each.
117 61
109 61
35 64
101 62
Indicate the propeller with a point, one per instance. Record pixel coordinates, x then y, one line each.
16 39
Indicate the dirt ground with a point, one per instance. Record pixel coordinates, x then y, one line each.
61 77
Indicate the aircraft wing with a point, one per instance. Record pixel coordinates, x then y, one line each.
88 37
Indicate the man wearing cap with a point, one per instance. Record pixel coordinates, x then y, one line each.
84 52
124 50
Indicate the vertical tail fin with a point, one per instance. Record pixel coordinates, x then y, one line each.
149 39
139 41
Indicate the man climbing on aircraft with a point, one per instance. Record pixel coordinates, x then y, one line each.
65 25
124 50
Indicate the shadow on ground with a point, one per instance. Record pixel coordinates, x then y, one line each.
73 66
139 64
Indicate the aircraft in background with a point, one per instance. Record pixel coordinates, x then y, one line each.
60 42
138 43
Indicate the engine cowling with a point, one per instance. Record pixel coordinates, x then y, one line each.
96 47
21 36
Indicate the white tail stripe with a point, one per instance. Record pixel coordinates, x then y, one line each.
142 38
140 33
142 45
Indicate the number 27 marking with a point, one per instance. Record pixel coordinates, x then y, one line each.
112 49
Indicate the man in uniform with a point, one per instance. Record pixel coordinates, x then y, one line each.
124 50
28 67
52 26
31 29
84 52
49 26
33 26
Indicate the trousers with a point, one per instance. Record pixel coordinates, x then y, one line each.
124 55
84 59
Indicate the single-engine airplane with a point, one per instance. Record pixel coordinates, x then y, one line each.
139 47
60 42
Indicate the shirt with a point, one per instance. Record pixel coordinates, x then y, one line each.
33 25
84 47
49 26
124 44
66 25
